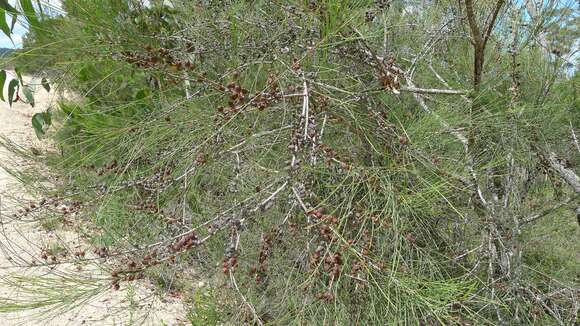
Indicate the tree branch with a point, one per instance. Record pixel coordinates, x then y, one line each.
432 91
490 24
444 82
475 33
568 175
546 211
574 138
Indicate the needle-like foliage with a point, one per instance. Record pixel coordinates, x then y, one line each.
345 162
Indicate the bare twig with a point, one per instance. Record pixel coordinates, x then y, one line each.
444 82
540 299
568 175
258 135
433 91
574 138
305 109
300 201
235 284
546 211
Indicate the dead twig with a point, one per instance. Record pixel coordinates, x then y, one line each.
235 284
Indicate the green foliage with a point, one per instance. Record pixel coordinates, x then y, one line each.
28 94
351 204
12 86
4 4
29 12
41 121
204 310
45 84
4 24
2 81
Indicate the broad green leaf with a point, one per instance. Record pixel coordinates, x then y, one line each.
4 4
14 20
38 124
29 12
29 95
19 74
45 84
11 90
2 82
4 24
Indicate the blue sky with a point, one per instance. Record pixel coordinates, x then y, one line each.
20 29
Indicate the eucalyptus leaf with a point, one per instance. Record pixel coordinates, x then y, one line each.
29 94
45 84
14 20
4 24
11 90
4 4
19 74
29 12
38 124
2 82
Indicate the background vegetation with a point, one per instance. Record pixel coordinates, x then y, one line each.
347 162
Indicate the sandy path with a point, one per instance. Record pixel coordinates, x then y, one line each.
22 243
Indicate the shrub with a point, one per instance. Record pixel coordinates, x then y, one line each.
289 144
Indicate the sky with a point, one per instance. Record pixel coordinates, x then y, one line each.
20 29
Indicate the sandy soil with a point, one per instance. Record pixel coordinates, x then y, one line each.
23 241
